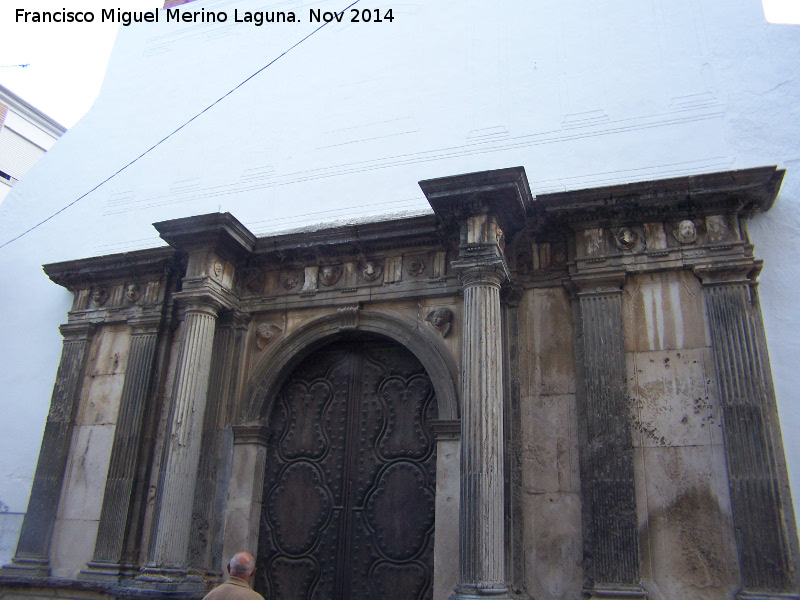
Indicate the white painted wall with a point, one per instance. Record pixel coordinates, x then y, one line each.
581 94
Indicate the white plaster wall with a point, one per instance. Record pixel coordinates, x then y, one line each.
581 94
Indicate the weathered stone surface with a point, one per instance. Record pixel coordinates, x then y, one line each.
445 556
553 546
688 550
671 400
244 498
545 318
73 540
99 404
550 462
109 352
82 494
664 311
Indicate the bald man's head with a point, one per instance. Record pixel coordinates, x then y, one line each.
242 565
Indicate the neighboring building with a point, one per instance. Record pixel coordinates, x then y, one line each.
464 300
25 135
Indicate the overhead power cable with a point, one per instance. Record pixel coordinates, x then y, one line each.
169 135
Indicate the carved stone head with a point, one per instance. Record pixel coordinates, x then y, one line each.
132 293
217 270
99 297
685 231
330 274
370 270
264 334
625 238
441 319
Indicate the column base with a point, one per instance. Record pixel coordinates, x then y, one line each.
756 595
615 592
27 567
109 572
482 591
169 580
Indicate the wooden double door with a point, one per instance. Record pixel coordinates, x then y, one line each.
348 505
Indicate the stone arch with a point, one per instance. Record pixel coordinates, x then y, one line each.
285 355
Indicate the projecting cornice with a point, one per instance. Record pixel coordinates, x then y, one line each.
502 192
219 231
744 191
101 270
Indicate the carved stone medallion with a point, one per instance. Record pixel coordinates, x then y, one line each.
330 274
685 231
441 320
265 332
217 270
99 297
717 228
290 280
625 238
370 270
132 293
416 267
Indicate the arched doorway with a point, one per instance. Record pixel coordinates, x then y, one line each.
348 503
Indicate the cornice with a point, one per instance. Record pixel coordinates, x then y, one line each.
221 232
505 193
744 191
351 239
141 264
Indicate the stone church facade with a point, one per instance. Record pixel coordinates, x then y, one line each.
547 397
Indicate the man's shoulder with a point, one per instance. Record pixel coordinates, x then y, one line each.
231 591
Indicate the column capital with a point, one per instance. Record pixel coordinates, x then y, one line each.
481 265
251 434
77 331
729 273
597 283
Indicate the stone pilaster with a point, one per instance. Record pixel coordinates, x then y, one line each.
118 500
612 541
482 570
178 475
33 548
205 546
745 392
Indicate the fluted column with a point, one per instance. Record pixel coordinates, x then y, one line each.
612 562
182 451
744 397
481 520
205 545
33 548
118 499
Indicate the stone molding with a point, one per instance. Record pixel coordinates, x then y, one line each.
280 358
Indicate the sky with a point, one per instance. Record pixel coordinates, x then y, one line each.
66 63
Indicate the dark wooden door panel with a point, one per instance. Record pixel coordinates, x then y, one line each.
348 509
